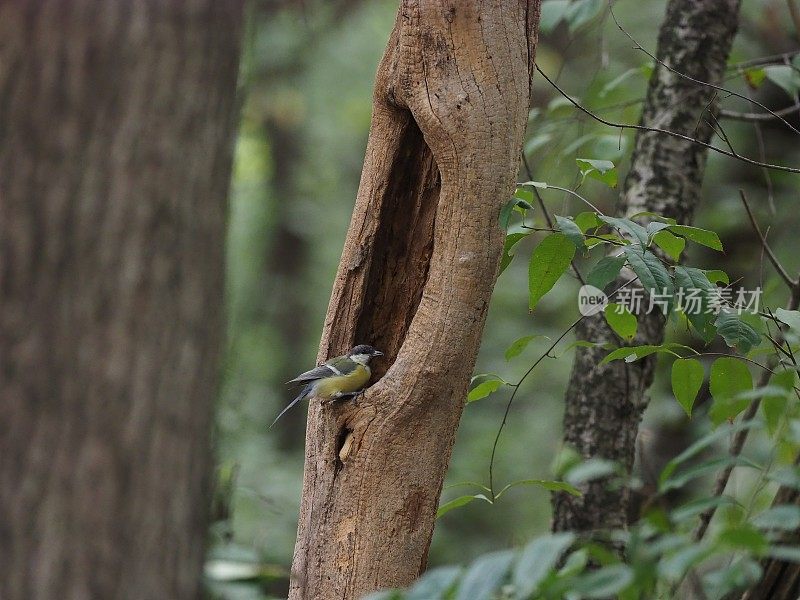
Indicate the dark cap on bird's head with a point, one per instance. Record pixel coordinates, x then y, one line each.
365 350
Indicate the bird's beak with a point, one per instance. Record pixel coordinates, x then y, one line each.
377 353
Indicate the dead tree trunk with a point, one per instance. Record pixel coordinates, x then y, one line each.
116 121
604 403
419 264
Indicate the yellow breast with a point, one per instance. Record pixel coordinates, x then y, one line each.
352 382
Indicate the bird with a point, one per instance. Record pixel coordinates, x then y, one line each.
339 378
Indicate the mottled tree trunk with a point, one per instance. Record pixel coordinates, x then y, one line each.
116 121
419 264
604 403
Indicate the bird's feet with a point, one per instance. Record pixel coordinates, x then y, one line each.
341 396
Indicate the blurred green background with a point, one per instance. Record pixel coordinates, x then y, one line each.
306 82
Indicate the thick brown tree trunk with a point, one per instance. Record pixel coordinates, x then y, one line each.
604 403
419 264
116 122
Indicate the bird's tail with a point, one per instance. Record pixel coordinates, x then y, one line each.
306 391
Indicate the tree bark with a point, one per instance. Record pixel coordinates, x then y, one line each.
604 403
116 123
419 264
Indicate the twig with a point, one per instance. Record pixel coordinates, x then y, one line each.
517 385
791 283
566 191
757 117
764 60
664 131
698 81
511 400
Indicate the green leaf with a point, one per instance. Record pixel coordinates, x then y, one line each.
774 405
605 271
512 239
671 244
485 576
634 353
754 77
620 320
697 447
553 12
696 293
581 12
537 560
452 504
785 517
654 277
525 195
636 231
601 170
703 237
516 348
604 583
508 208
570 229
435 584
702 469
537 142
736 333
549 261
785 553
729 377
785 77
692 509
537 184
674 567
687 379
505 213
485 388
547 484
587 220
790 317
588 470
745 537
718 276
459 502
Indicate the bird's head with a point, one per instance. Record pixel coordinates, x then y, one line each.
362 353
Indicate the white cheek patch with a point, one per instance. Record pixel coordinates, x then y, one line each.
361 359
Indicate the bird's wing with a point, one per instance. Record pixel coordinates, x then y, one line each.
341 365
315 373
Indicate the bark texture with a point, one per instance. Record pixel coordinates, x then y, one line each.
116 123
419 264
604 403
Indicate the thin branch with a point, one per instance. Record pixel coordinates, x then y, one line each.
698 81
511 401
517 385
764 60
664 131
566 191
791 283
757 117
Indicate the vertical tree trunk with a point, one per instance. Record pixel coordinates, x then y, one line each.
604 403
418 267
116 121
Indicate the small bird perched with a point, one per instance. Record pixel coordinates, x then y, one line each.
339 378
